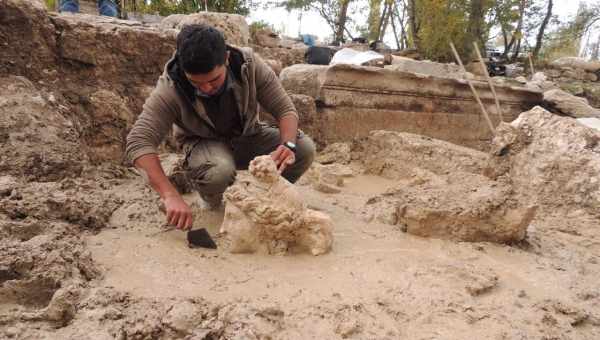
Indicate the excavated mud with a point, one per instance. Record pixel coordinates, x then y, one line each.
88 255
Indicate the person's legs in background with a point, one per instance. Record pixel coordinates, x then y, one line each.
105 7
68 6
108 8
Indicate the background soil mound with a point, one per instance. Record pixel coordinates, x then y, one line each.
36 139
395 155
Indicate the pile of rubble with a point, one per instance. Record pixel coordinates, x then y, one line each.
573 68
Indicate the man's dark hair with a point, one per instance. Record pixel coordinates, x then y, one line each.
200 48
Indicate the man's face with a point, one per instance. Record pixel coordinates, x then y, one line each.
210 83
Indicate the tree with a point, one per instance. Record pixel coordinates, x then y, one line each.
540 36
517 35
401 17
413 23
439 22
386 17
168 7
374 20
476 31
335 13
566 40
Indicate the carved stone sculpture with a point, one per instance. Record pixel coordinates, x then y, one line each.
265 213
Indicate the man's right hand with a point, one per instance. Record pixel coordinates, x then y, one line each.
178 212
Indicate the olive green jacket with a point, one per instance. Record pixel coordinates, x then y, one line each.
173 103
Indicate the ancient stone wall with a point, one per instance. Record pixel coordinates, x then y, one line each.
352 101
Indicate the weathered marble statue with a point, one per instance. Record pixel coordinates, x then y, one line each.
265 213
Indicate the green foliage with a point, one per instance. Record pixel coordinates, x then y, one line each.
168 7
51 4
374 19
441 21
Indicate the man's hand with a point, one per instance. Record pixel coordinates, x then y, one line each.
178 212
283 157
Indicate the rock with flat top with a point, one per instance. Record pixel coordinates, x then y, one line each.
569 104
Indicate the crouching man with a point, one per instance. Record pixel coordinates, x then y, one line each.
209 93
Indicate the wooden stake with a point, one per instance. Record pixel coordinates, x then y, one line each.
489 80
485 114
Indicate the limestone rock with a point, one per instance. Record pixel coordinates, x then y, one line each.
327 178
463 207
266 38
576 63
539 81
570 105
335 153
553 73
265 213
303 79
475 68
539 77
233 26
394 155
574 88
426 67
521 79
574 73
309 118
287 55
589 76
550 160
592 92
354 100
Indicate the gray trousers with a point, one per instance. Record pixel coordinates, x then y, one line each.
211 165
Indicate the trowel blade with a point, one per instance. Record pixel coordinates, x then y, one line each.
200 238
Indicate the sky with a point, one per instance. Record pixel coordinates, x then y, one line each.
312 23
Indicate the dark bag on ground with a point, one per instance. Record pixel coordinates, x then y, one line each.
318 55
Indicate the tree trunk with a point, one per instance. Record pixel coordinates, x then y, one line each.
341 21
517 50
540 35
412 23
387 16
517 33
395 31
475 27
374 12
505 40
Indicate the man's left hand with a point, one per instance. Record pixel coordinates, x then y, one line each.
283 157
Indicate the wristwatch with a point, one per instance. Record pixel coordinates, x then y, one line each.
290 145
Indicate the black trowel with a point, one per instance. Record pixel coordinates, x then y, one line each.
200 238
